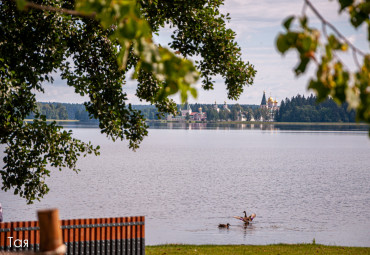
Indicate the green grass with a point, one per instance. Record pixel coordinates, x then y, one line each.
254 249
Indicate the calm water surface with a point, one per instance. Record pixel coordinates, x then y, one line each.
302 184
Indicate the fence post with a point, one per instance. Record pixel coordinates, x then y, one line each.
50 232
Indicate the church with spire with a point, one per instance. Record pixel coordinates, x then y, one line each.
270 103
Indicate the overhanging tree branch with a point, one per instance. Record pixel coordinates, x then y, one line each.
332 27
58 10
332 78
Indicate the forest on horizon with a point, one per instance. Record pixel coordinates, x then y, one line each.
295 109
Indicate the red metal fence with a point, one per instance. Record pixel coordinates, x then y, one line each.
81 236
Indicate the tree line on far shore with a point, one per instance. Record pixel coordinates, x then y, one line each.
307 109
296 109
62 111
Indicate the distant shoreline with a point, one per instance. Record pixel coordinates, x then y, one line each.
267 123
241 122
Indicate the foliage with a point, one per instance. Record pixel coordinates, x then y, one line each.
249 114
29 151
82 115
187 117
265 114
54 111
93 44
332 77
212 115
200 30
257 113
301 109
235 112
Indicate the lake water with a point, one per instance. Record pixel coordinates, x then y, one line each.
303 184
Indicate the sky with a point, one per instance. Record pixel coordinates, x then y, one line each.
257 24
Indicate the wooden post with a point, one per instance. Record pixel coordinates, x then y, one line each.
50 232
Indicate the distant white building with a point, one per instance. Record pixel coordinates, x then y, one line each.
216 107
225 107
241 116
197 116
186 111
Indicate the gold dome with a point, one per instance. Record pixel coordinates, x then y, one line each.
270 99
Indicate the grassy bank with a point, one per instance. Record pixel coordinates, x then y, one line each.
254 249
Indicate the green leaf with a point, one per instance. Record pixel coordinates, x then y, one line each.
21 4
358 17
302 66
306 43
129 29
123 55
329 53
287 22
193 92
334 42
282 44
303 21
291 39
319 87
365 8
345 3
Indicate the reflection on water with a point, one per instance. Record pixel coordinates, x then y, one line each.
259 126
78 124
226 126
